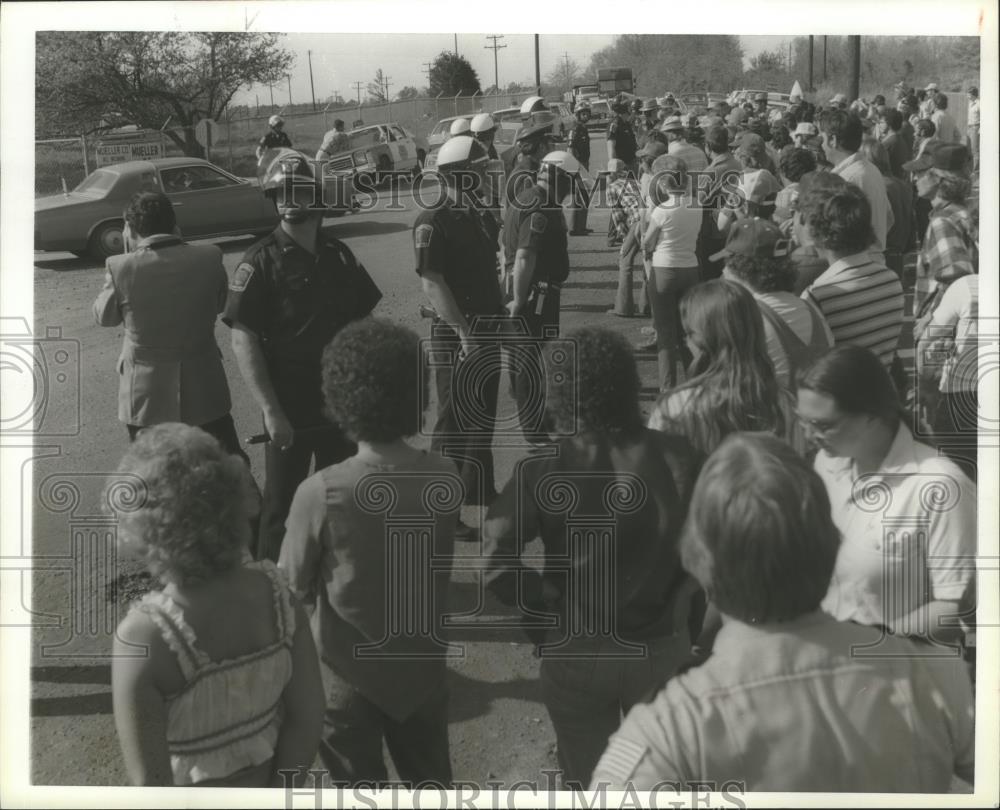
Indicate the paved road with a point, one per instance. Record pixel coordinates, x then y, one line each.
499 727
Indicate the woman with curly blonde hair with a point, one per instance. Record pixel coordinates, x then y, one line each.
228 692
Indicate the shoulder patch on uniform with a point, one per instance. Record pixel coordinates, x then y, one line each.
539 223
244 272
422 236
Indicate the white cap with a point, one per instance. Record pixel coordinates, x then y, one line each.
460 149
931 86
274 120
533 104
460 126
482 123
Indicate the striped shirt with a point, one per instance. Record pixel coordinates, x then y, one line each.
862 301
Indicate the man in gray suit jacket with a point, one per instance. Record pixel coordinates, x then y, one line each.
167 294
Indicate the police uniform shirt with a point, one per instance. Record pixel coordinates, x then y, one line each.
522 174
456 242
579 143
532 224
295 302
273 139
623 135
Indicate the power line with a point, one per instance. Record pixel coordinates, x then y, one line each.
357 86
494 47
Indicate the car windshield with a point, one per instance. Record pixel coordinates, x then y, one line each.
98 183
442 126
362 138
600 107
505 135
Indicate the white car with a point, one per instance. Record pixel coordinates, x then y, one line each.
378 150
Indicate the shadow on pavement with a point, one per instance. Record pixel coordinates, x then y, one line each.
100 673
74 705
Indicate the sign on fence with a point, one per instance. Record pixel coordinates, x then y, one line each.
110 152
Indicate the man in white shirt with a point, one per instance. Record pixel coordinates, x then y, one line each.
694 158
944 125
842 133
973 124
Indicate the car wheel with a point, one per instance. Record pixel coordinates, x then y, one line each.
107 240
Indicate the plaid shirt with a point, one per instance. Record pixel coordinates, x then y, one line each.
950 251
626 205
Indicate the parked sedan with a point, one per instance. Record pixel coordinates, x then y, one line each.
379 149
207 200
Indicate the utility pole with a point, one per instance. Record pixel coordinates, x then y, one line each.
824 58
854 74
569 78
456 44
386 84
789 58
271 88
357 86
538 70
811 63
289 89
494 47
312 87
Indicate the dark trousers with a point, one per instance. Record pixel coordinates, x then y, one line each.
588 696
284 470
667 285
222 429
527 365
354 728
467 391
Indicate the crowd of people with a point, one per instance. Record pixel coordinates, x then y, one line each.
770 577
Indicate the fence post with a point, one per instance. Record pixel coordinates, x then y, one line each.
473 110
456 101
83 148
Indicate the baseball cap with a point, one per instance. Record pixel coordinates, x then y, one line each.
805 128
672 124
761 188
652 149
948 157
758 238
931 86
839 98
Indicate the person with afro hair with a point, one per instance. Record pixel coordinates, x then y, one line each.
360 535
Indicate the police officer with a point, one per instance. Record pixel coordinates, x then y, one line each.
579 139
460 126
621 137
291 293
455 246
484 129
275 137
537 261
533 140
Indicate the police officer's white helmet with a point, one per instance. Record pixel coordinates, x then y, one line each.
460 126
461 151
561 161
293 185
275 121
482 123
533 104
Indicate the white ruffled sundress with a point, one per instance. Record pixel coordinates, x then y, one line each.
227 716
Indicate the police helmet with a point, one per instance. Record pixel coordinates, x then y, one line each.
482 123
275 121
290 171
533 104
460 126
461 152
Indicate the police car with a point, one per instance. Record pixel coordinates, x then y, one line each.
379 150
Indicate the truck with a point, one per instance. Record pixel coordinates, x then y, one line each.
615 80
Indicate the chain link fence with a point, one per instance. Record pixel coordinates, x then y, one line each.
231 141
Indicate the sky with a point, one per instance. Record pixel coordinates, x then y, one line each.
340 60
